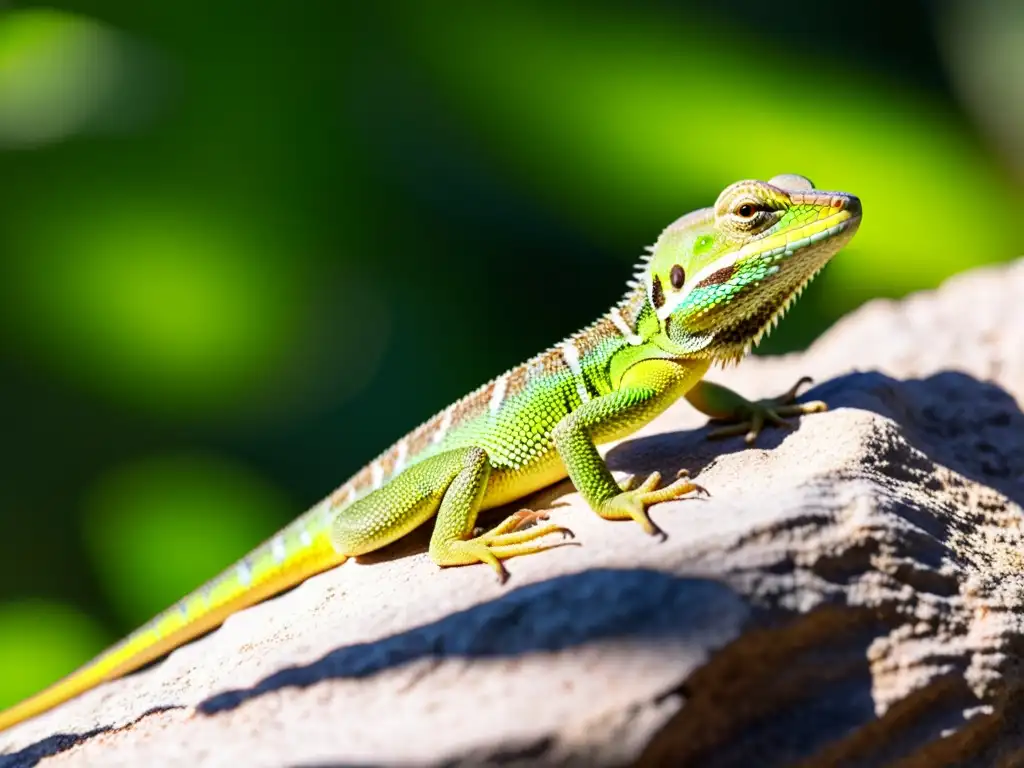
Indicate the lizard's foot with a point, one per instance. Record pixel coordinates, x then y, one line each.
632 503
508 539
773 410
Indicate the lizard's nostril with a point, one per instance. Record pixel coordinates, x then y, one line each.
853 205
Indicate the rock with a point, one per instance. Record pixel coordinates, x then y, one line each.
851 594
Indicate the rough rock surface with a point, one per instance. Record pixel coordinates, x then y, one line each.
851 595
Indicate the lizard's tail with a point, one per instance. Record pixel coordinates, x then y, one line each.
282 562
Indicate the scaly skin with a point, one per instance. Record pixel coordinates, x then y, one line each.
714 283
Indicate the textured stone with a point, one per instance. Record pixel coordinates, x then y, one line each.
851 594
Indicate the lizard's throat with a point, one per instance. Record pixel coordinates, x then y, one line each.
729 335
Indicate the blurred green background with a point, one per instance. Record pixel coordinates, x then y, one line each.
244 246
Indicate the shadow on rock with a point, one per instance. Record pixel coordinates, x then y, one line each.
972 427
563 612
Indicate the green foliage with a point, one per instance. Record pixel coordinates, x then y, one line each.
42 641
156 529
63 75
154 301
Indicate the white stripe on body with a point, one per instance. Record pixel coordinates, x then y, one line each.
623 327
571 355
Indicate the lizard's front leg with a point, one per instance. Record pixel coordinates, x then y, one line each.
452 486
646 390
748 417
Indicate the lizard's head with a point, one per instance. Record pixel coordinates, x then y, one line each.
720 278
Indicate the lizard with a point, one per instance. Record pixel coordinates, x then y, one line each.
713 284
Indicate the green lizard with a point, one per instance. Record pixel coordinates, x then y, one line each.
714 283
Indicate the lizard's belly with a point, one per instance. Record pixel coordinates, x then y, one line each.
506 484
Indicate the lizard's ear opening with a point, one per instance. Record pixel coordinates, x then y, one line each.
677 276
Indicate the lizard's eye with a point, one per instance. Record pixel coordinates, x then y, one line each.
746 210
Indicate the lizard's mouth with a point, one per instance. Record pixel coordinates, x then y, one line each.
839 226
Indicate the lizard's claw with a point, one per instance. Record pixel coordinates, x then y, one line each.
684 474
513 536
632 503
773 410
790 394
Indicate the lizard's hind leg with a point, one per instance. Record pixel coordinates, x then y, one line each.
453 542
452 486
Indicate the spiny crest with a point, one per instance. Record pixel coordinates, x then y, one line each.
641 267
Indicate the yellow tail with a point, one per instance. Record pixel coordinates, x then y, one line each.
197 614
